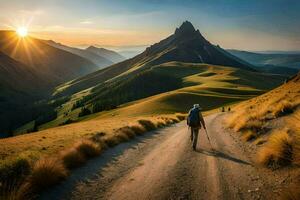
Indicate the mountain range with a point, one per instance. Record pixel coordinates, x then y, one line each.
271 62
184 64
31 68
185 45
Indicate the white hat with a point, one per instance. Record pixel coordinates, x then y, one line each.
197 106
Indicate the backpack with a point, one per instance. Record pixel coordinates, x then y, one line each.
193 119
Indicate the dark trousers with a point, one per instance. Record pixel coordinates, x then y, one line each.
194 136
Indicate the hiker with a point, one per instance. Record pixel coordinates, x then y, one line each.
194 121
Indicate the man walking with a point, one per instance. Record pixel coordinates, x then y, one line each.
194 121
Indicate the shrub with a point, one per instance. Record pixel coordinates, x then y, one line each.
84 112
111 141
72 158
88 148
277 151
248 124
147 124
14 169
127 131
68 121
98 137
47 172
138 130
121 137
15 190
160 124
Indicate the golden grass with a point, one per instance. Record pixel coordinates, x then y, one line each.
248 135
259 141
283 107
137 129
15 190
14 168
147 124
72 158
88 148
277 151
47 172
278 110
75 155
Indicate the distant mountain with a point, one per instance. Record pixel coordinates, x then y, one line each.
17 79
99 60
129 53
109 54
20 85
185 45
273 69
291 60
51 64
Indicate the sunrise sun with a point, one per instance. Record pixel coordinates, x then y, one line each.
22 31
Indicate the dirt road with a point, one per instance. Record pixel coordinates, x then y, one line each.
163 166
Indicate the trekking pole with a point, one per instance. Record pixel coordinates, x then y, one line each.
208 139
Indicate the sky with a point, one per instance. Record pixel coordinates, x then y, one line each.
255 25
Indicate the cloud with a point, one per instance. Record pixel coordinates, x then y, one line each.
87 22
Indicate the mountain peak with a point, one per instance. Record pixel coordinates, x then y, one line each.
185 28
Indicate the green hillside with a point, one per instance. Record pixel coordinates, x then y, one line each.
167 88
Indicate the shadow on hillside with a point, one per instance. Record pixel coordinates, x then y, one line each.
222 155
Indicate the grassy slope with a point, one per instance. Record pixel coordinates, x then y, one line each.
272 119
209 85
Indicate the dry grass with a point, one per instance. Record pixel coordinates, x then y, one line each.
128 131
16 190
88 148
180 116
137 129
271 115
283 108
277 151
14 169
50 171
147 124
111 141
248 135
259 141
47 172
72 158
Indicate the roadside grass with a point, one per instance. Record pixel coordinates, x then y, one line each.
272 122
50 170
47 172
88 148
248 136
72 158
278 151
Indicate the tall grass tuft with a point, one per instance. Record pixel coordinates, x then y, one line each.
47 172
72 158
138 129
88 148
127 131
277 151
147 124
249 135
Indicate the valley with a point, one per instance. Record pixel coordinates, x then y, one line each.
62 106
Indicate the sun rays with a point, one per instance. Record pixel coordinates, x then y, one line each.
22 31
